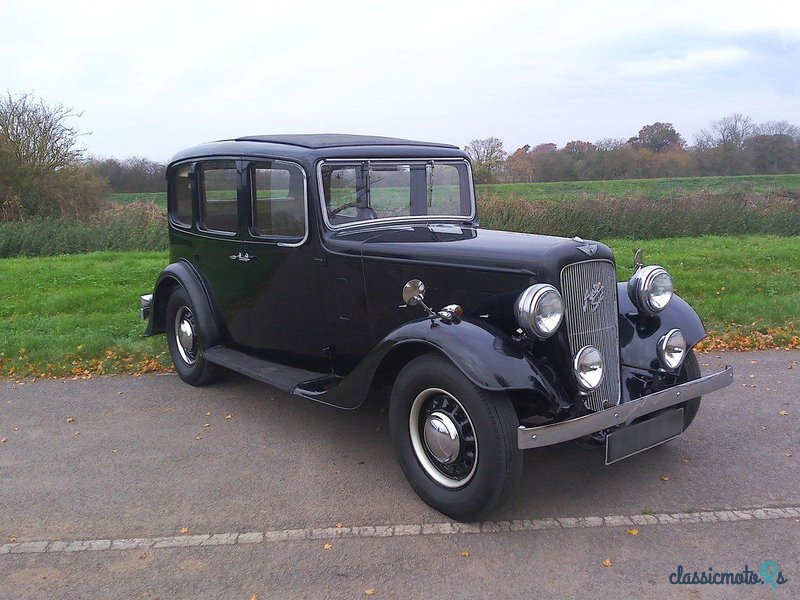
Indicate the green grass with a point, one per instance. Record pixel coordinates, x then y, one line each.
67 314
74 315
647 188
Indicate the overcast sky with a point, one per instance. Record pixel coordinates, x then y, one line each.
154 77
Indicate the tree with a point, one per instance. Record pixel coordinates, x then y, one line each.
776 153
487 157
40 170
658 137
720 148
519 165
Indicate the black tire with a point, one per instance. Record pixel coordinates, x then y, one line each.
470 489
690 370
189 362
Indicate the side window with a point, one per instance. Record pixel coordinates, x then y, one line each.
278 200
218 197
181 208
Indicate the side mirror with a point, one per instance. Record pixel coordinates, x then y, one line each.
413 292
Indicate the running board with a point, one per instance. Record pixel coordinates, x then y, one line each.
275 374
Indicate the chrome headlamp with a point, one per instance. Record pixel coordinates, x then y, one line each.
539 310
650 289
672 349
588 368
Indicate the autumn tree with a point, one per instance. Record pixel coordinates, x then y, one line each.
487 157
658 137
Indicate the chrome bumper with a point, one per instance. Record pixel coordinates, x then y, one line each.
145 306
546 435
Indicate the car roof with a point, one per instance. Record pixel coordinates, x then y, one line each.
336 140
311 147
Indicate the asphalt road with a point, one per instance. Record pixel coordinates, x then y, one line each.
149 502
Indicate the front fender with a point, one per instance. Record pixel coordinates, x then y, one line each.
639 333
483 353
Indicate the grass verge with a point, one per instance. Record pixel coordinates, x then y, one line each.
77 315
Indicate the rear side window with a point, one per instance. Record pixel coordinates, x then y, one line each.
218 196
181 209
279 200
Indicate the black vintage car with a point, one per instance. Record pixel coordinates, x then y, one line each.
342 268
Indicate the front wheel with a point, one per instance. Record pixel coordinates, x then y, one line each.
185 343
455 442
690 370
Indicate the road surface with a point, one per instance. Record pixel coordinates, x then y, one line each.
155 489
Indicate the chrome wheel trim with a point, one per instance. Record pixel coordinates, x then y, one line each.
185 336
424 455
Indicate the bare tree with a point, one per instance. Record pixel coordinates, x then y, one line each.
40 170
487 158
720 148
38 134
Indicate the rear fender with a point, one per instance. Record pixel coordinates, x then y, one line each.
182 273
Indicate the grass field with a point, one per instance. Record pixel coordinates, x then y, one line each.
78 315
647 188
565 190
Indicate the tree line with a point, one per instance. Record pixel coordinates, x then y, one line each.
734 145
44 173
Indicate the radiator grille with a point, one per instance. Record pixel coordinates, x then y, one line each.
590 297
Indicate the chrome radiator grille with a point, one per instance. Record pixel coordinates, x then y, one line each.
590 297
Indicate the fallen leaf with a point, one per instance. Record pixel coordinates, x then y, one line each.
369 592
327 546
208 414
606 562
12 540
465 553
16 428
339 525
77 433
752 376
229 416
206 424
633 531
114 451
3 440
198 438
783 413
70 419
788 455
664 478
184 530
685 461
337 471
253 597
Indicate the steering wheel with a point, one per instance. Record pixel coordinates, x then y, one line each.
364 212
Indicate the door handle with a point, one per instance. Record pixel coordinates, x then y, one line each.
243 257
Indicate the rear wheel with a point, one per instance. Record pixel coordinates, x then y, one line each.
185 342
455 442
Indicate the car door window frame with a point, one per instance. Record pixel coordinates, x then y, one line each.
248 168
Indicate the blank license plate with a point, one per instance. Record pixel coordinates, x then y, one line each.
642 436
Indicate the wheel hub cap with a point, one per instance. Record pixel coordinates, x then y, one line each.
441 437
186 335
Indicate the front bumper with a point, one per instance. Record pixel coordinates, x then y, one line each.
546 435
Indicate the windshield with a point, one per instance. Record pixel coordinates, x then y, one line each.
367 190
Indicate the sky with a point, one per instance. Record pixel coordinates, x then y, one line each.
151 78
